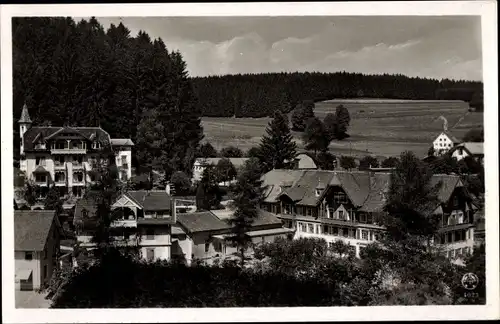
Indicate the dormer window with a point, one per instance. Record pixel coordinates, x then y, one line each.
96 145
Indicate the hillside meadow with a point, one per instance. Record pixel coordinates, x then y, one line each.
378 127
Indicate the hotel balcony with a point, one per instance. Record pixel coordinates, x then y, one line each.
68 151
131 222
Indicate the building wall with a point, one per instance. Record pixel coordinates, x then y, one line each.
197 171
33 265
442 143
306 162
460 155
127 152
161 243
182 246
49 255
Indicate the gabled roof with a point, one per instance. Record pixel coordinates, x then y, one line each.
366 190
48 132
151 200
471 147
40 169
32 228
201 222
121 142
450 136
237 162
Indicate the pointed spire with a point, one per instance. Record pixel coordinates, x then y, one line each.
25 117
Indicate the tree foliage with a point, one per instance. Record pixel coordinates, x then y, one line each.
301 114
368 162
248 193
225 170
347 162
53 200
474 135
208 193
231 152
315 137
181 182
343 119
390 162
277 148
326 160
411 200
207 151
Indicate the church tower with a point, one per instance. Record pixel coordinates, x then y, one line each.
24 125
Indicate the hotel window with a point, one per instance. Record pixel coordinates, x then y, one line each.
364 235
460 216
340 232
77 191
207 247
362 218
449 238
124 159
341 215
310 228
335 231
96 145
345 232
28 256
78 177
309 211
60 145
40 160
369 219
59 159
77 159
303 227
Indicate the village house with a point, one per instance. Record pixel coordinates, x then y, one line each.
142 219
207 235
64 156
474 150
342 205
444 142
37 236
200 164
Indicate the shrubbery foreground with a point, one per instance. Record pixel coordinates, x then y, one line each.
287 273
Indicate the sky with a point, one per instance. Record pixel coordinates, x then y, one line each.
425 46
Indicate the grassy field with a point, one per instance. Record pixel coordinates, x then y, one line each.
378 127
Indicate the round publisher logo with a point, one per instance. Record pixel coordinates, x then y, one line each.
470 281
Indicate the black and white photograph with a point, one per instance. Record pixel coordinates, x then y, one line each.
239 160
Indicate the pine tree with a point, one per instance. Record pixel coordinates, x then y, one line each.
248 193
277 148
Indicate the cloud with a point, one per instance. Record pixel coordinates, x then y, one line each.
437 47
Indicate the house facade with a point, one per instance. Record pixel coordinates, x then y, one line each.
342 205
37 236
206 235
142 220
444 142
474 150
64 156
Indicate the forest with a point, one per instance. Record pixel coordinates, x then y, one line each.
80 74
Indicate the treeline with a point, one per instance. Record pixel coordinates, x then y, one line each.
259 95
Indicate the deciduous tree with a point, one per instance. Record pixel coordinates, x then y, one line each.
231 152
315 136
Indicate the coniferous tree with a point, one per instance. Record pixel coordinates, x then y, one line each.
277 148
343 120
248 193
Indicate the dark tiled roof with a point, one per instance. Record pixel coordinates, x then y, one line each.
32 228
266 218
201 222
151 200
122 142
48 132
366 190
